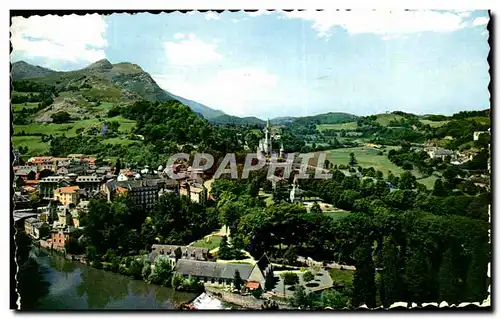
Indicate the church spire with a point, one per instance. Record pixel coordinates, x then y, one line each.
267 124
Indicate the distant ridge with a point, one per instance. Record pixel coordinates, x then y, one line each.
120 82
23 70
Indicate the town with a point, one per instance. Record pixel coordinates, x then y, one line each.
207 160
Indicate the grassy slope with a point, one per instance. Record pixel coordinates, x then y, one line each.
69 129
34 144
365 158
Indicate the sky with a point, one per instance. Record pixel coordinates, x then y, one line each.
270 64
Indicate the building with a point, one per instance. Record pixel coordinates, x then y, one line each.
67 195
80 210
28 225
266 144
219 273
48 185
40 229
438 152
26 172
36 228
21 200
59 238
195 191
89 183
175 252
144 193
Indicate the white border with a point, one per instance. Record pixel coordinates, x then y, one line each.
186 4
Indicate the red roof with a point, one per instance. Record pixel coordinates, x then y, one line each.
31 182
252 285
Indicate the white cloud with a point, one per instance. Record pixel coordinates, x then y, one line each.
260 12
67 38
480 21
179 36
212 16
238 91
378 22
191 51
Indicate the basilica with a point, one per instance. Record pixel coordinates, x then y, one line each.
266 144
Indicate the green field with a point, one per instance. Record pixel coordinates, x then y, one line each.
337 127
212 243
19 107
117 140
344 276
434 123
385 119
366 158
69 129
34 144
337 214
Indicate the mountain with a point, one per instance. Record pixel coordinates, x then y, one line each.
199 108
22 70
105 82
229 119
328 118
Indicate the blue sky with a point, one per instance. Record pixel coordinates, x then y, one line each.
270 64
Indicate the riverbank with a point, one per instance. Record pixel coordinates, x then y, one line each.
76 286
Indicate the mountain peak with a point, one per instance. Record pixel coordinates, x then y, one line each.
22 69
103 64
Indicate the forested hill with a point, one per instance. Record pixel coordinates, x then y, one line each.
104 82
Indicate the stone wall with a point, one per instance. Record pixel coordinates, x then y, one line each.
248 302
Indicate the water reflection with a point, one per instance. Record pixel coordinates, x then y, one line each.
76 286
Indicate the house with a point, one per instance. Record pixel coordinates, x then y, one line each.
28 225
89 183
76 213
195 191
40 229
438 152
122 177
26 172
64 218
67 195
175 252
90 161
144 193
60 237
48 185
41 161
221 273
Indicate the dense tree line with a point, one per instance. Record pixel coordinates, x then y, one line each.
411 235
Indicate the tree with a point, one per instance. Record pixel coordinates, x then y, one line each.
290 278
308 276
407 180
334 299
315 208
270 305
61 117
238 282
352 160
118 167
301 299
364 277
290 256
225 251
438 188
389 276
257 293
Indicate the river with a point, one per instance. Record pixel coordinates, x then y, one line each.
72 285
